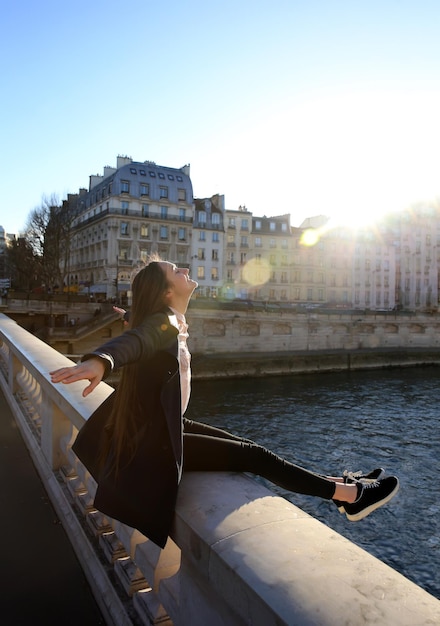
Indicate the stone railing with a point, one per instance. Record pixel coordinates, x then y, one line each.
238 554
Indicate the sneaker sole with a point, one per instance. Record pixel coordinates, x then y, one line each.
356 517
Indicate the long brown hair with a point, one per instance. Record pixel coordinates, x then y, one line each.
149 287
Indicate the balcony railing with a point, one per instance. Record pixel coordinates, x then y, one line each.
237 554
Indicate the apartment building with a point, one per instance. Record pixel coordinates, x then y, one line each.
416 238
128 213
208 245
373 270
256 256
270 259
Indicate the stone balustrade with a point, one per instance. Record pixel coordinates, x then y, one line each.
238 554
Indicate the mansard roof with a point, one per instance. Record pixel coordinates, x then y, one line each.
143 173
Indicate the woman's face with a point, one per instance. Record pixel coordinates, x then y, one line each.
180 285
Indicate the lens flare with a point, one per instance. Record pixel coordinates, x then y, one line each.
310 237
256 272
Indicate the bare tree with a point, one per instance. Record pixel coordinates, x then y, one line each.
24 266
48 233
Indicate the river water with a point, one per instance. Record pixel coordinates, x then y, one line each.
351 420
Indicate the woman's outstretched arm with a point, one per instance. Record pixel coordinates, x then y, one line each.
92 370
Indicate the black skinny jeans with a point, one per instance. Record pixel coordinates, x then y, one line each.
209 449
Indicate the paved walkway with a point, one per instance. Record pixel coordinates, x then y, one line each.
42 580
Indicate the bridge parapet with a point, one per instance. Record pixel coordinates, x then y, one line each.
238 554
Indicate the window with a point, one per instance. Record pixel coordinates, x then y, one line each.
202 217
214 273
163 192
231 222
258 243
164 232
284 227
202 235
244 224
272 243
179 179
125 186
243 257
244 241
257 224
272 226
214 255
215 220
182 234
181 195
170 177
201 272
144 230
161 175
145 190
142 172
182 215
164 212
133 170
152 174
201 254
124 208
215 237
124 228
145 210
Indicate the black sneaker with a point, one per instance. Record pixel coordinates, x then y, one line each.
372 496
352 477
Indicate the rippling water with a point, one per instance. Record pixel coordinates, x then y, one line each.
362 420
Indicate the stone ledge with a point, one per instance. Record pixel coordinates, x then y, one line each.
271 563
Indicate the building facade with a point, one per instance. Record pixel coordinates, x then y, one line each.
139 208
208 245
128 213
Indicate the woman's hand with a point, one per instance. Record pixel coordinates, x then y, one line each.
122 313
93 370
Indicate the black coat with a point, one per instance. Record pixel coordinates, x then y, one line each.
143 492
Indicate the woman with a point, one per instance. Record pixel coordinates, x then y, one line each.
137 443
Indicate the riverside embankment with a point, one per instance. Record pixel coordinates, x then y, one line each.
248 343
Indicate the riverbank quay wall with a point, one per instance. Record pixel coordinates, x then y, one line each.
237 554
235 344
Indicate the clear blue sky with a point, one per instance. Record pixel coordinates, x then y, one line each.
302 107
